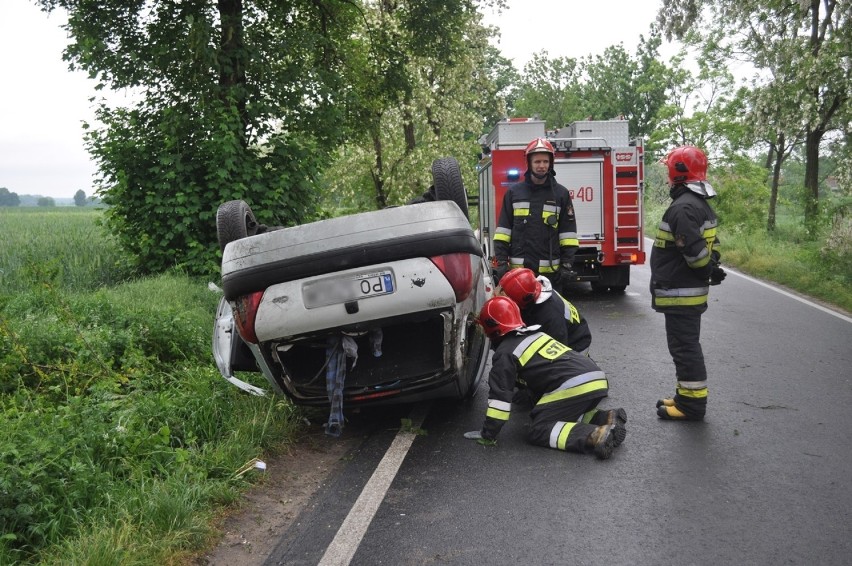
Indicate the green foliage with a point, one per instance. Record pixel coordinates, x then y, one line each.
119 436
232 101
113 408
550 89
8 198
618 84
66 344
656 186
743 192
422 96
792 258
801 50
562 90
80 198
61 247
46 202
158 458
170 178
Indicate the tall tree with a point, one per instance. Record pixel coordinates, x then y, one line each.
550 89
618 84
80 198
8 198
808 38
698 110
421 89
775 122
234 99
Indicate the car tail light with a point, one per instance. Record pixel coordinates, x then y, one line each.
245 311
456 268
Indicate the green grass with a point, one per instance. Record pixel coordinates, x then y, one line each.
120 440
65 246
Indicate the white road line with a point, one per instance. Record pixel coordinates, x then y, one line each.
351 532
839 315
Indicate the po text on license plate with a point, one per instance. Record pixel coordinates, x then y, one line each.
334 290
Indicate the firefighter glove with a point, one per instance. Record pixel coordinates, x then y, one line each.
717 275
477 436
499 270
568 272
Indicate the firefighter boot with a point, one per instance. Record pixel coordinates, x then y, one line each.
616 417
601 441
683 407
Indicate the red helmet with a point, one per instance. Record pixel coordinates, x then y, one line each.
687 164
500 315
539 145
521 286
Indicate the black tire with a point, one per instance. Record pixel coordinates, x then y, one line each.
598 287
447 179
234 221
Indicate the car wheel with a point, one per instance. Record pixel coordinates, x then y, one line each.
447 179
234 221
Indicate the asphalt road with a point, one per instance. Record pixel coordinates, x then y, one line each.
764 480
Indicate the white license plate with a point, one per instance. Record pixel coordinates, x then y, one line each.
335 290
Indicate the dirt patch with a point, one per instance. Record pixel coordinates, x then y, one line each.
250 533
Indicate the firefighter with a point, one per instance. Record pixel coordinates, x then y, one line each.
537 228
541 304
569 385
684 262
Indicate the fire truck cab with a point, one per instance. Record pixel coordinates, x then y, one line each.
603 170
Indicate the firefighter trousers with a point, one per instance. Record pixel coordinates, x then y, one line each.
682 333
560 425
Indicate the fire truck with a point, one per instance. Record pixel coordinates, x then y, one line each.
603 170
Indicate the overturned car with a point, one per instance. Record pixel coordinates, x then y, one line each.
367 309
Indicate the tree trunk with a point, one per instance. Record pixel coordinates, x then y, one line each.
232 64
378 172
776 151
408 132
812 140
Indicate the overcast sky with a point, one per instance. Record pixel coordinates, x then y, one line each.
43 104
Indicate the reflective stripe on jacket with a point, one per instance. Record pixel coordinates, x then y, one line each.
681 259
547 367
537 227
559 318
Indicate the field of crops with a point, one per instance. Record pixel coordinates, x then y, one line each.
64 244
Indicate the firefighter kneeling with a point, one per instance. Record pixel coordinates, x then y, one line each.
570 386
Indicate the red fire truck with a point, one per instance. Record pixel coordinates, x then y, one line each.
602 168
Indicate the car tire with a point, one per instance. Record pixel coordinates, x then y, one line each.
447 179
234 221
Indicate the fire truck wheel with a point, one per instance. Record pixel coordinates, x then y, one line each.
447 179
599 287
234 221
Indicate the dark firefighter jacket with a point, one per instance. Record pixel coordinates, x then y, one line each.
685 252
547 367
537 228
560 319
